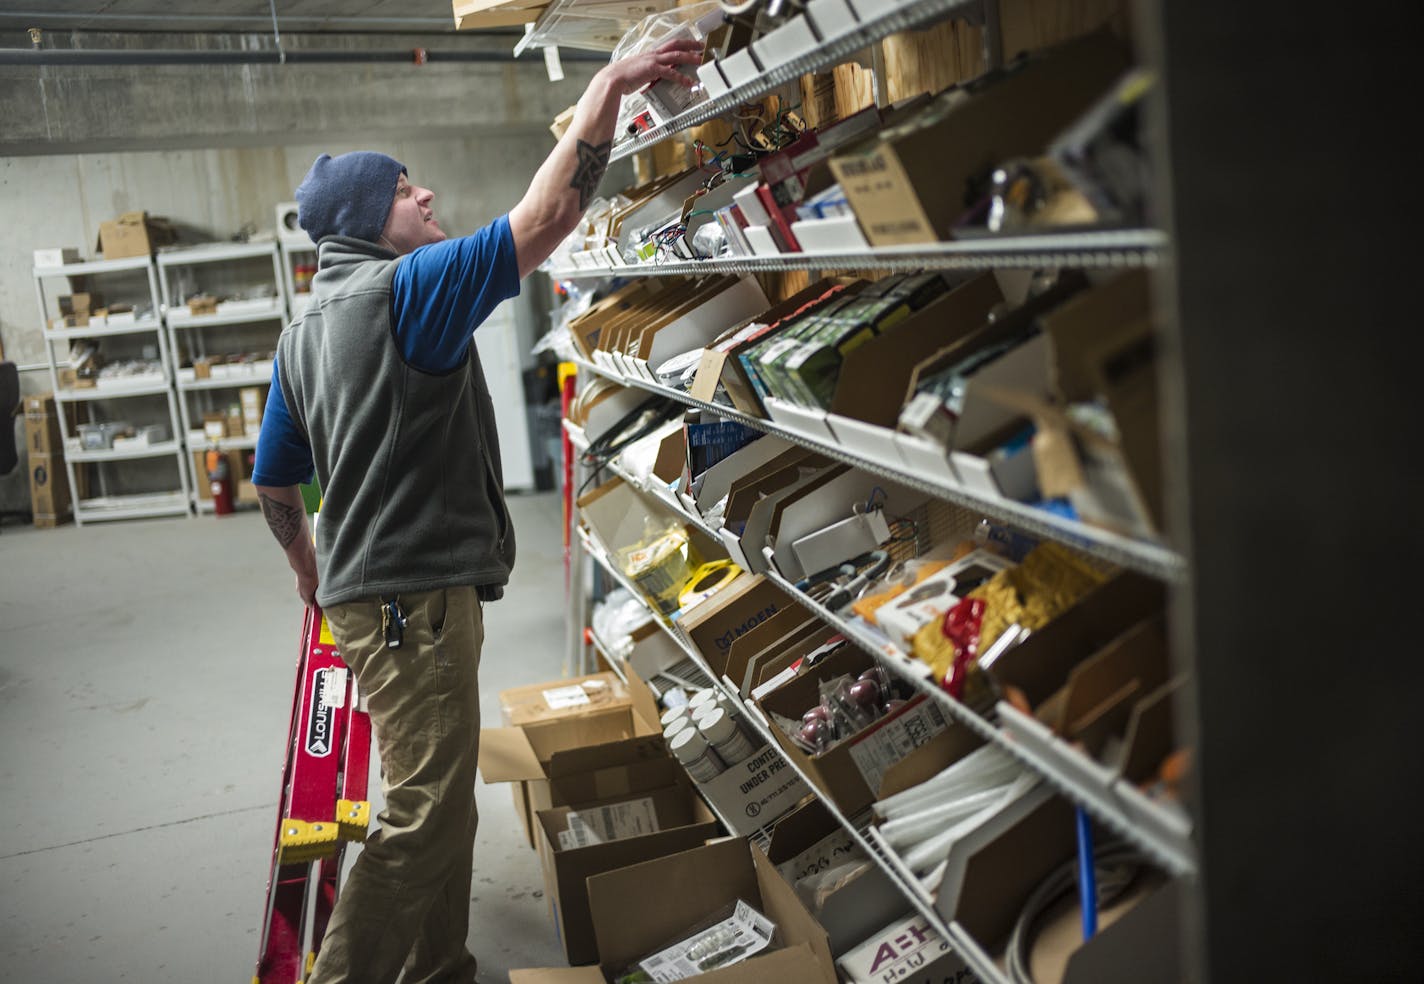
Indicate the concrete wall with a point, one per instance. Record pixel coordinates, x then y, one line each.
215 148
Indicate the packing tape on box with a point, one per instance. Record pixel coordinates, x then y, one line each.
707 580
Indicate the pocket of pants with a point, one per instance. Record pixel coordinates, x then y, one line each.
443 647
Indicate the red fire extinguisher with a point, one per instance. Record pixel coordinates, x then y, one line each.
219 482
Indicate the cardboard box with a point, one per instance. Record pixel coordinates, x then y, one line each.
908 951
752 793
49 485
909 183
658 823
850 772
712 626
547 724
42 433
641 909
811 840
43 436
134 234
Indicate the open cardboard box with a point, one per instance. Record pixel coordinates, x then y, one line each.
850 772
908 183
1138 936
713 625
748 794
669 819
563 742
587 329
876 384
810 839
640 909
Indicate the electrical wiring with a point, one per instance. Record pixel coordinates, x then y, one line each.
1116 866
635 425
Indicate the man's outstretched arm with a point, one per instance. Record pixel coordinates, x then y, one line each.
568 180
286 516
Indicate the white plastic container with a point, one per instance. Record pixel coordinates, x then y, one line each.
690 748
721 731
672 714
670 731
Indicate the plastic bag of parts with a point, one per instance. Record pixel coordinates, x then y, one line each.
664 99
731 935
661 562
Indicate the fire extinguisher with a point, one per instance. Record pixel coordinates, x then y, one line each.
219 482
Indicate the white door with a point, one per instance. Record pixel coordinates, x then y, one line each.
498 345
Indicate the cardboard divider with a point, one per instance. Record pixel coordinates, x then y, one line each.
874 385
1040 664
792 623
999 877
1137 937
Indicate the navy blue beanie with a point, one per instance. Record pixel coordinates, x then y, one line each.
348 195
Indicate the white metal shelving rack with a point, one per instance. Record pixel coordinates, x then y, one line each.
1162 832
199 328
291 251
106 506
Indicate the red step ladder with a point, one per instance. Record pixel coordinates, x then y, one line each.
323 806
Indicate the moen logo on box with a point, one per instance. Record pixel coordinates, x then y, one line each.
320 716
725 640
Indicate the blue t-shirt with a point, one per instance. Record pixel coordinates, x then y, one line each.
439 295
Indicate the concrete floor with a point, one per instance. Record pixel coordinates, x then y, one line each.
146 675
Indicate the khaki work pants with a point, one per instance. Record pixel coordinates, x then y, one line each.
406 904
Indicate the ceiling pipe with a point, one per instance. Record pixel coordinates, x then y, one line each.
328 56
98 22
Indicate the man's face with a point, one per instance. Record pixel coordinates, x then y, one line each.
411 222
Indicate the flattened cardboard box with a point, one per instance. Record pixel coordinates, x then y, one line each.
640 909
49 486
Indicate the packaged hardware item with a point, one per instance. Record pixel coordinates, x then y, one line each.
660 564
735 933
936 594
1049 581
847 706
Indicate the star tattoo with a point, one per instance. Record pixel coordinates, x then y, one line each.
592 162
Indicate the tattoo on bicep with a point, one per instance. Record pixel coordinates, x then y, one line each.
592 162
284 521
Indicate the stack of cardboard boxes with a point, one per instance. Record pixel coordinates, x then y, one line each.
50 498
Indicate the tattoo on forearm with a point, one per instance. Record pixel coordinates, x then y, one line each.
592 162
284 521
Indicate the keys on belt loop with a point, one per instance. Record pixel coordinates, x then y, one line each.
393 623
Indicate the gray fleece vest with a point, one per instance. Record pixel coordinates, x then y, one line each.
412 491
